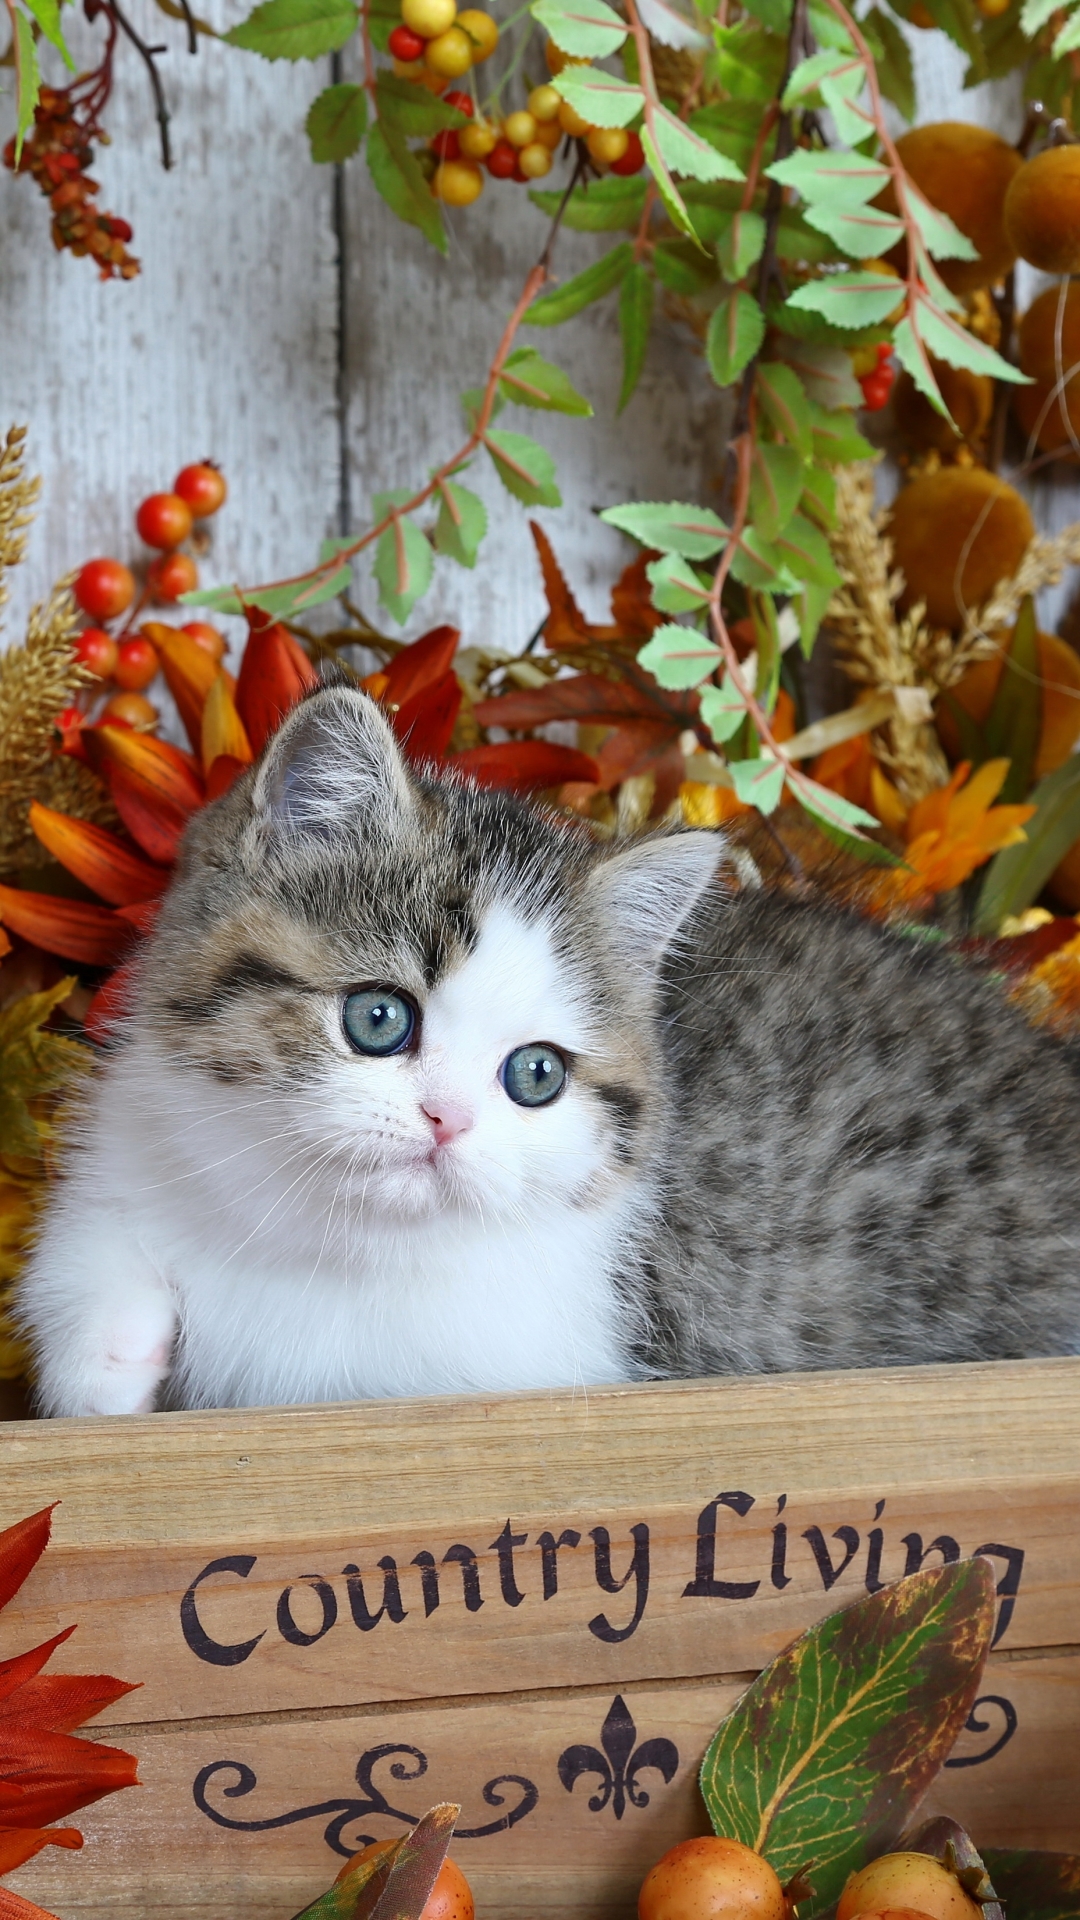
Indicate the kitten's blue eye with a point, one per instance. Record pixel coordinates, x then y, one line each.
533 1075
378 1020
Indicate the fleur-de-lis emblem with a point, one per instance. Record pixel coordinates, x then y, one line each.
620 1763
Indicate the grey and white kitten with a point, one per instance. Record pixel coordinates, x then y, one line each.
426 1091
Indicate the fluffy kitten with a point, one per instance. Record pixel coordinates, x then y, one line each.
426 1091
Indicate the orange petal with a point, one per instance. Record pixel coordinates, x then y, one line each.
931 813
886 802
97 858
189 672
46 1776
160 768
60 1702
221 774
979 794
271 681
21 1547
19 1844
222 727
74 929
419 666
14 1907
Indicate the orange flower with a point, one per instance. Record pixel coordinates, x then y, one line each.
1049 994
954 830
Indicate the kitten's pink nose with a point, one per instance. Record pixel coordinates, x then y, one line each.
447 1119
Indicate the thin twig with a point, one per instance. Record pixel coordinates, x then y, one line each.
148 53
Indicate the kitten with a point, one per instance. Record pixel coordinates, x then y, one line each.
426 1091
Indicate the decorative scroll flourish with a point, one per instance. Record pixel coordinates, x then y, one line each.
620 1764
374 1801
974 1725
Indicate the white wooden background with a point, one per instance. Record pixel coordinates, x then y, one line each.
316 348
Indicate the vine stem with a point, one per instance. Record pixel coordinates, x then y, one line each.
645 70
369 51
896 166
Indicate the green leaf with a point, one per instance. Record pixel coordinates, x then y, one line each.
832 814
773 14
811 605
1035 1886
531 381
685 152
676 588
585 287
736 331
336 123
413 109
750 62
836 438
404 562
949 341
298 597
830 177
818 498
864 232
824 804
525 468
845 67
1017 875
1034 14
601 206
757 563
850 299
695 532
383 17
757 783
47 15
796 1770
896 75
461 525
767 634
1014 723
679 657
635 320
786 406
296 29
674 205
776 481
407 1888
604 99
913 357
27 79
1069 38
471 402
961 21
826 28
723 710
589 28
825 372
805 553
681 265
941 236
741 244
397 176
732 126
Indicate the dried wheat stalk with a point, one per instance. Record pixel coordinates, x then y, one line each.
17 497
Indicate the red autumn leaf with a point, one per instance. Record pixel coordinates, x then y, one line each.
424 724
633 613
102 861
584 696
14 1907
163 770
21 1547
153 822
44 1776
19 1844
524 766
60 1702
418 666
74 929
566 625
221 773
274 674
24 1666
635 747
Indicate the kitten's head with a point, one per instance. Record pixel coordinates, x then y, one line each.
445 991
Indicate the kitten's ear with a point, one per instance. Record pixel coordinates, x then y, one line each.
643 896
333 762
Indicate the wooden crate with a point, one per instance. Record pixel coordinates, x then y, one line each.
539 1605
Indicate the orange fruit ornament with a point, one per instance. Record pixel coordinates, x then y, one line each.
955 534
711 1878
1042 210
913 1881
450 1897
966 171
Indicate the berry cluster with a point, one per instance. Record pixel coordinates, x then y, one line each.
105 590
56 153
875 372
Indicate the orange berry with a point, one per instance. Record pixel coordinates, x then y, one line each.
136 663
477 140
429 18
206 637
133 710
450 53
104 589
519 129
409 69
482 31
711 1879
163 520
203 487
571 121
535 160
550 134
544 104
97 651
172 575
607 144
458 183
906 1880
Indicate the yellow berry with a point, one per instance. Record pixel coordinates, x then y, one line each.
534 160
458 183
571 121
428 17
519 128
607 144
544 104
450 53
549 133
481 30
408 69
477 140
557 59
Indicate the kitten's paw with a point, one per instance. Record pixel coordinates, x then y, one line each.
137 1351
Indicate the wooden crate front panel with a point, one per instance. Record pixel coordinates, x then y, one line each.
304 1791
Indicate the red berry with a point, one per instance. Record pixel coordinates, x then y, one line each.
502 160
633 159
163 520
96 650
876 389
446 144
203 488
404 44
119 229
104 589
207 637
462 101
137 664
172 575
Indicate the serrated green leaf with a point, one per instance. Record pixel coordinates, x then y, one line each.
530 381
1069 38
601 206
830 177
836 438
776 481
397 177
679 657
741 244
854 123
757 783
828 810
895 72
736 331
811 605
798 243
635 320
382 17
864 232
818 498
837 1707
1034 15
525 468
47 15
674 205
296 29
749 61
588 28
604 99
786 406
733 127
472 401
961 20
767 635
723 710
846 68
671 525
27 79
676 588
773 14
849 299
941 236
805 553
336 123
298 597
949 341
682 266
825 372
827 30
585 287
461 525
1017 875
913 357
685 152
824 803
404 564
413 109
757 563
